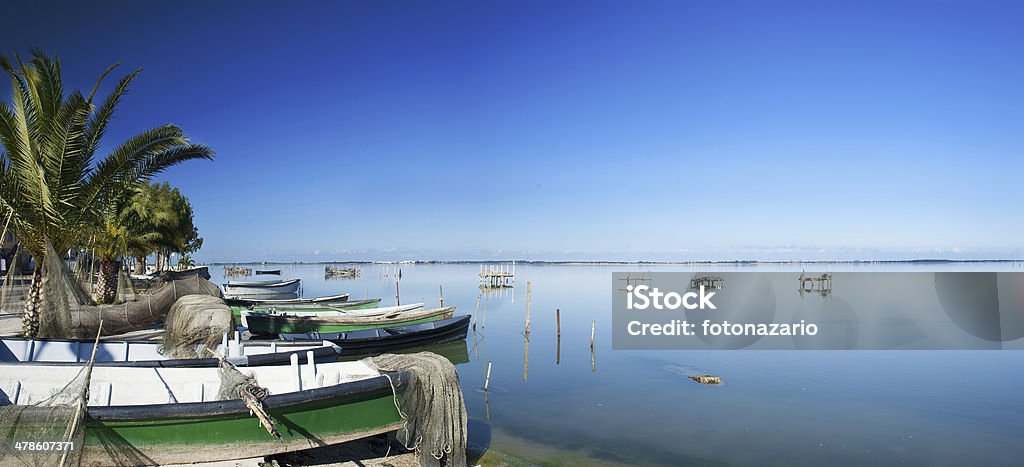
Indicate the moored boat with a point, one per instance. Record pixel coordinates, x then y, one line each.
262 323
376 341
148 353
249 303
130 421
269 272
237 310
335 312
262 289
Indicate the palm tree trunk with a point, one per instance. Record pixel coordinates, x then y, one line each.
140 265
33 304
107 283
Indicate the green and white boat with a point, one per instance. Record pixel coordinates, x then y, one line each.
262 323
236 310
130 420
331 311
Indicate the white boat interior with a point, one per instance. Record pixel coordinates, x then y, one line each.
118 386
328 311
14 349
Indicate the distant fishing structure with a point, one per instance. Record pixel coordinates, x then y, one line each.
821 285
235 271
502 275
335 272
708 282
630 279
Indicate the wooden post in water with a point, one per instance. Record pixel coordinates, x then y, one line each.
477 312
442 295
593 326
527 309
396 293
558 321
487 379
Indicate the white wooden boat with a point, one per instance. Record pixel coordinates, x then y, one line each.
172 415
262 289
327 311
147 353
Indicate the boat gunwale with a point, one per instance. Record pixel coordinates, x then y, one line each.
274 402
266 359
345 320
456 324
261 284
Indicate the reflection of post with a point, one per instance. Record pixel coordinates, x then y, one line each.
527 309
526 356
593 365
558 351
487 406
441 287
476 345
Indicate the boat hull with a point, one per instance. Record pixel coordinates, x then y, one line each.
377 341
275 324
224 430
262 289
236 311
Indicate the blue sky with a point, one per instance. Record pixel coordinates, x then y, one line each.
562 130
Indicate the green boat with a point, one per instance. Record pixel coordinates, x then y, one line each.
129 421
260 323
236 310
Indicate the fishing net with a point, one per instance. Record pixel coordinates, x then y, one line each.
49 432
194 326
15 286
236 385
60 293
125 289
431 405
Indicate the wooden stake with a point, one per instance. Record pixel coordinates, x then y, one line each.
527 309
593 326
477 312
487 379
396 294
558 321
442 295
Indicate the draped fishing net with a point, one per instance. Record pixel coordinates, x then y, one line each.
68 313
15 286
236 385
125 289
431 405
194 326
49 432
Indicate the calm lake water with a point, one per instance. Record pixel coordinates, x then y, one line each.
638 407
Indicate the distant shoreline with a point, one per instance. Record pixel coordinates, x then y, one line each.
615 263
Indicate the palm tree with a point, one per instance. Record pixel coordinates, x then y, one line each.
49 175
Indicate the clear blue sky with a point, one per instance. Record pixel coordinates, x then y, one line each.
562 130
